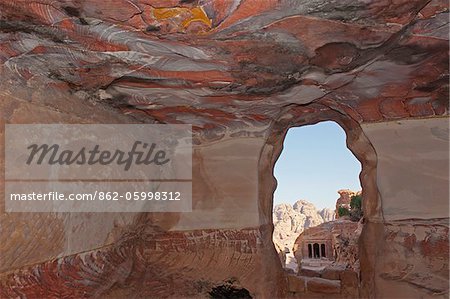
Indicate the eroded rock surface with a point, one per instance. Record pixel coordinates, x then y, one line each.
241 72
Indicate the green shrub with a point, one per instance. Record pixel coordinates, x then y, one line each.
343 212
355 202
356 212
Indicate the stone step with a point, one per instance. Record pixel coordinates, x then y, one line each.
304 284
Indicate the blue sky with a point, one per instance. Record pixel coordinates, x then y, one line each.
314 164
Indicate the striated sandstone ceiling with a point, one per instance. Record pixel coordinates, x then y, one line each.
231 67
233 63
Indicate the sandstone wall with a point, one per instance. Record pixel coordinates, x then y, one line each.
220 239
77 240
412 177
412 244
227 219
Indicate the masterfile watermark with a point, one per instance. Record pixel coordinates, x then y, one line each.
52 154
112 168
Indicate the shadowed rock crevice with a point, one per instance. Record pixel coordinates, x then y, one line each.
228 290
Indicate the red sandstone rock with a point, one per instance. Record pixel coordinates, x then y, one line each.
332 273
296 284
350 283
309 272
241 72
323 286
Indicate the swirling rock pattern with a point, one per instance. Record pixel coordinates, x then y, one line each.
241 72
182 61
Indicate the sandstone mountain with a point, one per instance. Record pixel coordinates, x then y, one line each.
327 214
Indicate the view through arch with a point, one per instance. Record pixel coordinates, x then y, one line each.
317 202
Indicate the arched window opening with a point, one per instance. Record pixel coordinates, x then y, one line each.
315 166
